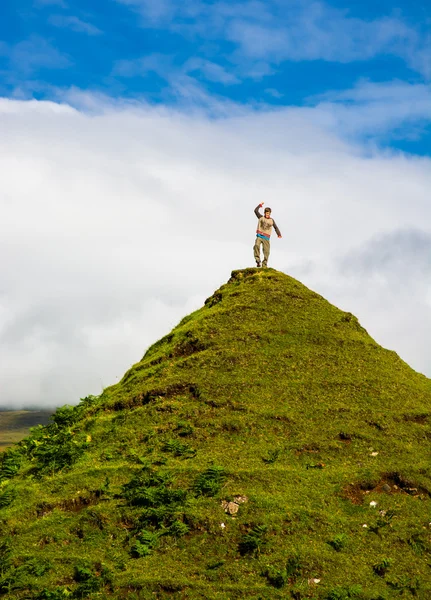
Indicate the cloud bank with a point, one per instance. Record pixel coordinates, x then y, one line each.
119 220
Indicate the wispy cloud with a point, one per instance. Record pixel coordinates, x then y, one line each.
369 111
182 79
161 64
30 55
273 92
73 23
210 71
320 33
274 32
374 109
419 57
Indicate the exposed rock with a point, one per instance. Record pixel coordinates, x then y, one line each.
231 508
240 499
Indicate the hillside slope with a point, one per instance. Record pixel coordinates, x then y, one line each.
266 448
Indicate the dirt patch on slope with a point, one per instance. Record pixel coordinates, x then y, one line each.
390 483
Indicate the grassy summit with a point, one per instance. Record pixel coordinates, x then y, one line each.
266 448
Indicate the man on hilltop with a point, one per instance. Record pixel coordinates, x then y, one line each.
263 234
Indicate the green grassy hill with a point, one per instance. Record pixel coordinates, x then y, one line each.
16 424
266 448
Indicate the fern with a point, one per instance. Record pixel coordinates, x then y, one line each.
178 529
60 593
10 465
275 577
253 541
149 538
338 542
179 449
139 550
210 481
272 456
382 567
7 497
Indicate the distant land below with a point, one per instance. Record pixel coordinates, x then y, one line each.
15 424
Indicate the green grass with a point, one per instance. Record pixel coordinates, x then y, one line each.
268 393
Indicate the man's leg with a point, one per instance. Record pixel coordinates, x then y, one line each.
266 249
256 249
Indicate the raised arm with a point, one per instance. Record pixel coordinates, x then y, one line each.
256 210
277 231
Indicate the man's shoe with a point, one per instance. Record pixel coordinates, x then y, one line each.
264 264
258 263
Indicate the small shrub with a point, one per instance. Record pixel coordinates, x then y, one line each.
344 593
65 416
178 528
210 481
338 542
253 541
17 578
52 451
162 509
293 567
140 550
383 520
276 577
405 583
9 464
271 457
381 568
7 497
419 544
149 538
90 580
149 489
184 429
89 401
5 553
216 564
179 449
58 594
37 567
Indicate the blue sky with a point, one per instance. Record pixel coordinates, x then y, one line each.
250 53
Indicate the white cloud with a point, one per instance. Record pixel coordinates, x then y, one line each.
385 282
375 109
274 93
73 23
320 33
210 71
113 225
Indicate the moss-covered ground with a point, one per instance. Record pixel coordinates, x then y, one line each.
268 403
